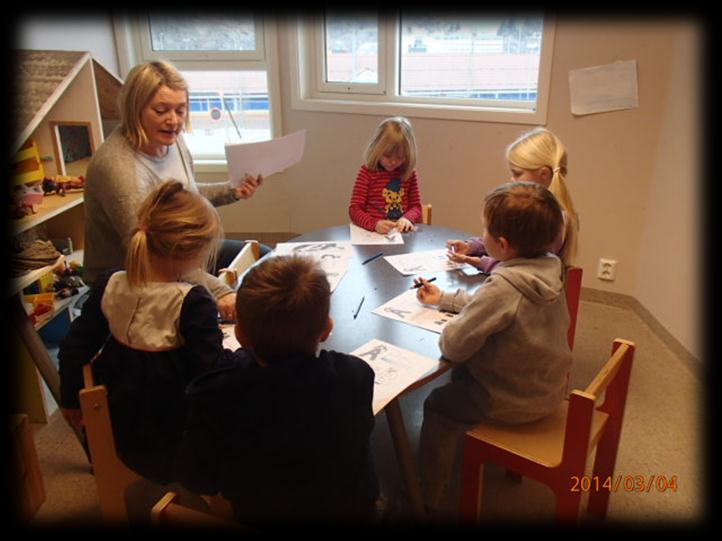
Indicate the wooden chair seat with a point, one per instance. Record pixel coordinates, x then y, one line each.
541 441
554 450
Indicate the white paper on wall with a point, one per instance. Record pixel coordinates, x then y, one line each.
598 89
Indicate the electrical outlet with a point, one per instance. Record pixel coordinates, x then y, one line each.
607 269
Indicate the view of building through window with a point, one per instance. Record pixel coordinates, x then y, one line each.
224 104
470 57
210 33
351 48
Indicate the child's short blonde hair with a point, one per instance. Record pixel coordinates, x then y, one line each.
140 86
526 214
283 305
393 136
173 224
541 148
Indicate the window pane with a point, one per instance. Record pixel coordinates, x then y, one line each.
489 58
226 107
352 44
226 33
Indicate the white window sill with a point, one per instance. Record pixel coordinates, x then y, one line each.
420 110
210 166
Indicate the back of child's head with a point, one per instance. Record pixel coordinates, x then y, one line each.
174 224
526 214
541 148
283 306
393 136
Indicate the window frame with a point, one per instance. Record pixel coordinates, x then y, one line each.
132 38
307 57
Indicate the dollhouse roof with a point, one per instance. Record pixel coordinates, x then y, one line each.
41 78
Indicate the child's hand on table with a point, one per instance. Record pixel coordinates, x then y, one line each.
384 226
404 225
427 293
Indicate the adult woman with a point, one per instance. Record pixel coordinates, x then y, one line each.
144 151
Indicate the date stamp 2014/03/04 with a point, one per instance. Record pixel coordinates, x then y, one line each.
626 483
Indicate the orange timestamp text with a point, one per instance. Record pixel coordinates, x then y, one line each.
626 483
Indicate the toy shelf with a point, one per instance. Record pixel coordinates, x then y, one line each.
60 306
18 284
53 205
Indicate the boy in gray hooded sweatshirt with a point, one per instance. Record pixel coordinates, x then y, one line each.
510 337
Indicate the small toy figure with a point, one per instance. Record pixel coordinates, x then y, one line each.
61 183
25 198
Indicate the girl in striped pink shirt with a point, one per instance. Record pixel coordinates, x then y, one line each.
386 194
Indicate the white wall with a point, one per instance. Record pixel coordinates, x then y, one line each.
668 283
70 33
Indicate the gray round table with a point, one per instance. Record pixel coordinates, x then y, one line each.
377 282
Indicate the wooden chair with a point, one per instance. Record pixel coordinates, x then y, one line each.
112 477
426 214
167 512
554 450
250 253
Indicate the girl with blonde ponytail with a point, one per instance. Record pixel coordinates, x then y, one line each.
536 156
148 332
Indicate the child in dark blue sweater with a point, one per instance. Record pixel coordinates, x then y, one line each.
283 432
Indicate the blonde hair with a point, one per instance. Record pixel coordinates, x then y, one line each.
393 135
174 224
526 214
541 148
140 86
283 305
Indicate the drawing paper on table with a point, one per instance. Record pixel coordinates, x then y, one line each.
394 369
264 158
407 308
332 256
229 336
422 262
359 235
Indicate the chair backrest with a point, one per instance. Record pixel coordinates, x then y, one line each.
167 512
112 477
573 288
612 381
250 253
426 214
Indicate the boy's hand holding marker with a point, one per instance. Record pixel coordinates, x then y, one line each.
427 293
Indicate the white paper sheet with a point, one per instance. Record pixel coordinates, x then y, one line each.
264 158
423 262
359 235
229 336
332 256
408 309
394 369
598 89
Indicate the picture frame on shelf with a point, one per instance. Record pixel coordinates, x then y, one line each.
73 144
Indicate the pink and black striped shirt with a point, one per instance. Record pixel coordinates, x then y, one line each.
382 195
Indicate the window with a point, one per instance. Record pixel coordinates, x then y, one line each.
351 49
226 62
469 67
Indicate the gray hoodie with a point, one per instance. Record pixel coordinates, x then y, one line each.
512 333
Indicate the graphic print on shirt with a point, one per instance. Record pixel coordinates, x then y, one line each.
393 194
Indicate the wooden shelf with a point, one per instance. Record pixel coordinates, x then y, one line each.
60 306
16 285
53 205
